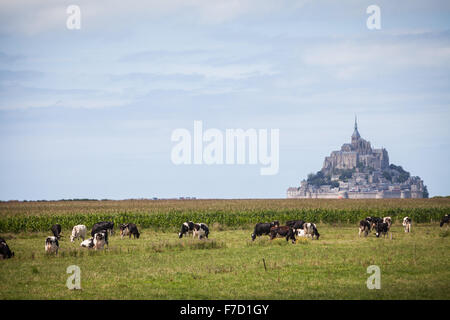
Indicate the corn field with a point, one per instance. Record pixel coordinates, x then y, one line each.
168 215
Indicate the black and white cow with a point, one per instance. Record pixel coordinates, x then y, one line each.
51 245
311 230
56 230
100 239
103 225
445 220
388 220
129 229
88 243
283 231
201 230
407 223
382 228
264 228
186 228
374 221
5 252
295 224
364 227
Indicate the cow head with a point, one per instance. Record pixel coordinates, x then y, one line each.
184 229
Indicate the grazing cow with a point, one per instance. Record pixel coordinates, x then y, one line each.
364 226
51 245
56 229
104 225
78 231
186 228
283 231
100 239
129 229
201 230
5 252
300 232
311 229
388 220
295 224
374 221
381 228
264 229
88 243
407 222
445 220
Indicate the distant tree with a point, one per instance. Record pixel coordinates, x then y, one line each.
425 192
387 175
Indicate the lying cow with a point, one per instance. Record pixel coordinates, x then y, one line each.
295 224
78 231
5 252
263 229
186 228
129 229
51 245
283 231
100 239
201 230
445 220
104 225
88 243
364 227
407 223
311 230
382 228
56 230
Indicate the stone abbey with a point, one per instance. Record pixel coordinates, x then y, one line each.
358 171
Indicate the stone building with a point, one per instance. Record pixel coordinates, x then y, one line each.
358 171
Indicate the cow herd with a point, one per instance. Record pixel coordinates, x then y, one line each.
293 228
289 231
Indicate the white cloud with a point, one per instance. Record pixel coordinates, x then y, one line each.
355 59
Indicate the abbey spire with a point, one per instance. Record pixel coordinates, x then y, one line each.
356 134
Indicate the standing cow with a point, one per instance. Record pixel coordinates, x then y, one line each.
78 231
51 245
5 252
103 225
364 227
407 223
186 229
445 220
263 229
129 229
283 231
100 239
311 230
56 230
201 230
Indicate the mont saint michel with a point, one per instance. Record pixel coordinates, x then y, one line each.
358 171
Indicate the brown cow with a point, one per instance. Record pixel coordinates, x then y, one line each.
283 231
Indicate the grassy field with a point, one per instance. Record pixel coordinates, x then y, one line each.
230 266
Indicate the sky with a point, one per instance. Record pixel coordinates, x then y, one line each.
89 112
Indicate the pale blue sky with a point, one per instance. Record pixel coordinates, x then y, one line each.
89 113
